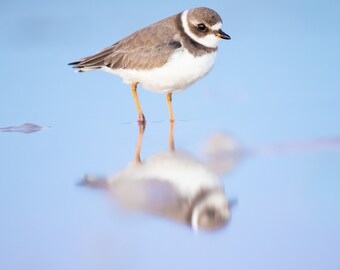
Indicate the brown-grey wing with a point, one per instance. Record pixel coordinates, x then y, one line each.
152 196
147 48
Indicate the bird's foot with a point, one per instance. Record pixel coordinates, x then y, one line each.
141 119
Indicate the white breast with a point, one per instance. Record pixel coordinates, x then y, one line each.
182 70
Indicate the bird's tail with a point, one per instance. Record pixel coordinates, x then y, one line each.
92 62
94 182
81 68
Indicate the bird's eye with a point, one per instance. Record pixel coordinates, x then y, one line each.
211 213
201 27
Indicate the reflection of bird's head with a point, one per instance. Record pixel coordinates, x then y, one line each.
211 211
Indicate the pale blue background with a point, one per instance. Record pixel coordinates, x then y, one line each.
277 80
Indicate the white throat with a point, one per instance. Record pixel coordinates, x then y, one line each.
209 41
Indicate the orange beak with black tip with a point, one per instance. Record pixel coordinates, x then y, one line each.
221 34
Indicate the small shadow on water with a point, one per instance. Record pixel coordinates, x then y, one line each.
24 128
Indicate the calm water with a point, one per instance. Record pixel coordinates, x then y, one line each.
273 97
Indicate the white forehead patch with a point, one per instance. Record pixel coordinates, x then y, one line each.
209 41
217 26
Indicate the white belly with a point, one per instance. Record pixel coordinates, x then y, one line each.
182 70
186 174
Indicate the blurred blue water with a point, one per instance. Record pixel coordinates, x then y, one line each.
276 81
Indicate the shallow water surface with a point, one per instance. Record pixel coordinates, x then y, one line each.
263 127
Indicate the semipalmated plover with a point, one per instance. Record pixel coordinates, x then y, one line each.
164 57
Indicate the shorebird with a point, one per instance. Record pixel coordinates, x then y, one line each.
164 57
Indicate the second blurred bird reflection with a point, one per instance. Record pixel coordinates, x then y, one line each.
170 184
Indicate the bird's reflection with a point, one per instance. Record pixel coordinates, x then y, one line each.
170 184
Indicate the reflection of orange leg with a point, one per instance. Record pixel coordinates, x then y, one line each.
171 137
169 99
139 143
141 118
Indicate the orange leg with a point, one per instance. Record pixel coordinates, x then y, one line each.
171 137
141 118
169 99
139 143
